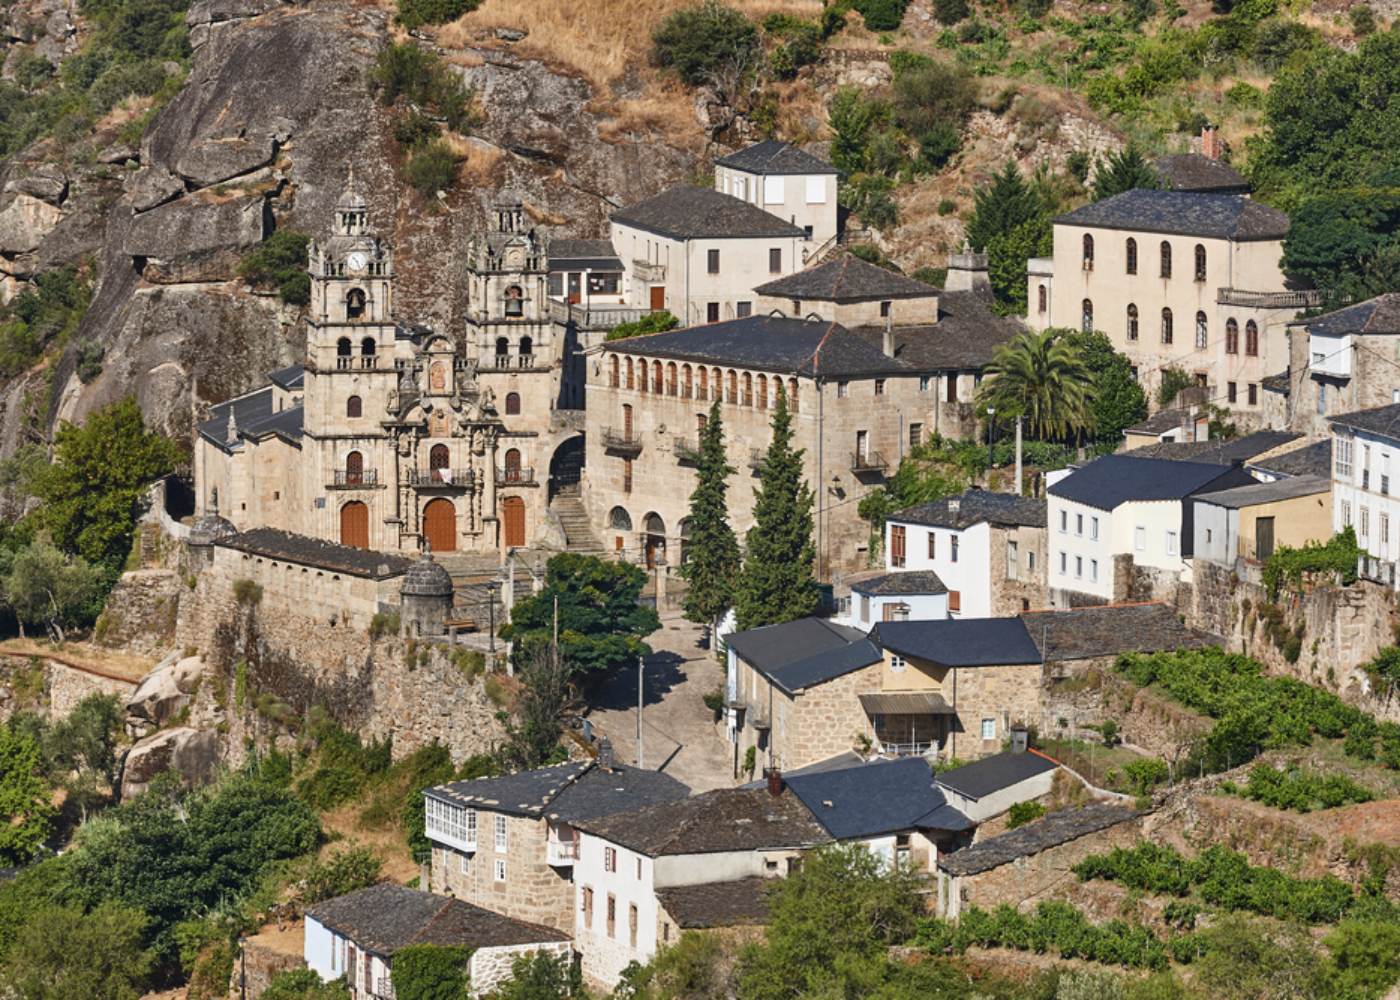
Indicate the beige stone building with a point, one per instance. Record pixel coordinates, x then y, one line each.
1244 525
510 843
787 182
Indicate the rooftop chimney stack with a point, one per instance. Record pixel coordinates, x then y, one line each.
889 338
605 754
775 782
1211 146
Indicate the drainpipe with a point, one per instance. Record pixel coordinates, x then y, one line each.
821 478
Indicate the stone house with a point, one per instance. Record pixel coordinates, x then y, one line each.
1175 278
899 596
726 837
786 182
1363 446
988 549
1340 362
511 843
852 292
1032 863
356 936
992 785
1178 424
1242 525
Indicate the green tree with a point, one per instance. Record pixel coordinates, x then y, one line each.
926 473
707 43
538 976
45 587
1041 377
776 583
1123 171
854 118
1247 959
601 625
656 322
304 984
280 262
1117 401
535 723
93 492
63 953
431 168
931 100
1365 957
26 812
1347 242
1011 222
713 551
431 972
1173 380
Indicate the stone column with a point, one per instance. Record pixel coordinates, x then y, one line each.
489 504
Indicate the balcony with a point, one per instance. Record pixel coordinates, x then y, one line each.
1309 299
868 463
560 853
441 477
594 317
758 457
365 362
507 363
515 475
346 479
624 442
646 271
687 450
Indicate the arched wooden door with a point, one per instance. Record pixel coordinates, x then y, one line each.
440 525
354 525
513 514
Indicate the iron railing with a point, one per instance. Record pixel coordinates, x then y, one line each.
348 479
621 440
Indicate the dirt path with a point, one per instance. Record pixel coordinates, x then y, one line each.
83 656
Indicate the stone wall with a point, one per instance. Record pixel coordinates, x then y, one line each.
491 966
532 890
253 973
51 687
141 612
1027 591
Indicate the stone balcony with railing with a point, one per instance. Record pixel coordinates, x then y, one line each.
349 479
594 315
622 441
509 363
687 450
351 362
1043 267
645 270
515 475
868 462
441 477
1244 299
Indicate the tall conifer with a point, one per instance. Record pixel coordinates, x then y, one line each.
712 551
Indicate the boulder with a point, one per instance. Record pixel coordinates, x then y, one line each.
159 697
117 153
152 187
24 223
45 182
216 160
191 753
511 34
189 240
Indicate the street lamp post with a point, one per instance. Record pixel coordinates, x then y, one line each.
991 415
658 564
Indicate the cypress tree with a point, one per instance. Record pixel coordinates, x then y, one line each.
776 584
712 554
1123 171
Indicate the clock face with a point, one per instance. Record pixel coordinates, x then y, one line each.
515 257
356 261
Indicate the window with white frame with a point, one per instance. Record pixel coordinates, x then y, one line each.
772 190
500 869
1063 561
1030 560
1013 560
463 862
609 859
450 821
816 190
1140 539
1346 513
1342 456
1094 570
896 663
500 833
1079 567
989 729
1171 543
1365 522
1094 528
1064 521
1079 525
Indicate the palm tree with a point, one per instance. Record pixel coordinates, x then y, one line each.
1041 377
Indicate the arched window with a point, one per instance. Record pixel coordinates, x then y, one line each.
717 384
748 388
515 301
687 382
1200 262
792 395
1166 326
1132 321
1041 298
1232 336
343 347
367 347
354 469
1130 256
354 303
631 376
439 460
614 371
763 392
1166 259
512 404
353 406
619 519
1251 339
527 349
671 388
733 386
502 350
704 388
512 466
1088 252
1201 338
1086 316
656 386
643 380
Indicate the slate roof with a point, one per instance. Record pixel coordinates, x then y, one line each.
770 343
772 156
803 653
1280 382
973 507
1229 451
1290 488
1378 315
385 918
919 581
1310 460
1050 831
1195 172
1159 422
960 642
743 902
254 416
726 819
1383 420
1183 213
686 213
576 254
273 543
569 792
965 337
1107 630
882 797
995 773
290 378
1107 482
846 278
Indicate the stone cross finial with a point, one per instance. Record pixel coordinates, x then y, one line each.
231 435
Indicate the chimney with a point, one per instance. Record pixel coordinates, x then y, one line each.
775 782
954 505
967 272
1211 145
889 338
1020 739
605 754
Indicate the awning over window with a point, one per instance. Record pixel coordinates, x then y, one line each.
905 703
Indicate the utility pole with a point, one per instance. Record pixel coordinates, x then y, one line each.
1020 488
991 416
641 674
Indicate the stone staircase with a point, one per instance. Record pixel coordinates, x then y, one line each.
573 518
474 575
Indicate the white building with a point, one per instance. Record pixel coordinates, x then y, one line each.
896 597
1120 506
783 181
1365 460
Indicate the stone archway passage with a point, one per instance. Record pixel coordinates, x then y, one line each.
354 525
440 525
566 467
513 516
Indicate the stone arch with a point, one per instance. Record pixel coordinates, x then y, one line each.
1251 339
355 303
566 466
704 387
656 386
671 387
631 375
619 519
654 539
527 347
515 300
502 349
614 371
367 347
762 390
687 382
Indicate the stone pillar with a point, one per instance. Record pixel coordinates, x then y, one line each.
489 504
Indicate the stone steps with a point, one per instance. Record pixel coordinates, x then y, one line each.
578 528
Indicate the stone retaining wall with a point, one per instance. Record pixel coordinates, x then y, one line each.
51 687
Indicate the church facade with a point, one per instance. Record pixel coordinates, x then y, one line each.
394 437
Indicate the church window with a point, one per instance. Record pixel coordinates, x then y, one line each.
733 386
631 381
512 404
1166 259
527 348
515 301
354 469
671 379
1251 339
763 392
354 303
687 382
367 347
704 392
656 377
1200 262
439 459
502 349
353 407
342 347
614 373
748 388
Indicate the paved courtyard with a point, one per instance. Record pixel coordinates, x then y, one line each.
678 733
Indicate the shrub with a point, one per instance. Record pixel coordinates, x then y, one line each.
1022 813
343 872
430 972
89 356
1363 20
421 78
432 168
714 701
416 13
415 129
656 322
1300 790
707 43
1287 565
881 15
471 662
279 262
304 984
384 623
247 592
950 12
1145 774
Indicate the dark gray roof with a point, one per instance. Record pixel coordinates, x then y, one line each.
973 507
1310 460
569 792
290 378
1183 213
846 278
770 343
1195 172
583 255
1160 422
882 797
1107 630
1279 382
209 528
772 156
273 543
1280 489
743 902
386 918
426 578
1224 451
800 654
918 581
727 819
1051 831
686 213
1112 480
995 773
1383 420
960 642
1378 315
253 417
965 337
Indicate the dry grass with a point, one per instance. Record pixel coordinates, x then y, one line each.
387 843
84 656
479 159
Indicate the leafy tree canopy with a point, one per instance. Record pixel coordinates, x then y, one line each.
1123 171
63 953
1043 378
1345 242
26 812
1117 400
46 588
1011 222
431 972
707 43
304 984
